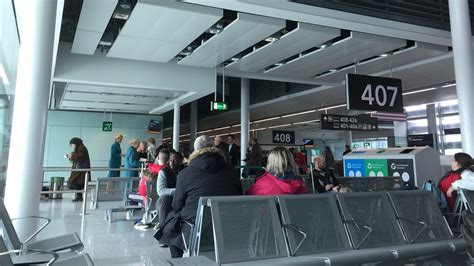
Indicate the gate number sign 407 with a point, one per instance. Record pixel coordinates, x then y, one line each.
374 93
380 95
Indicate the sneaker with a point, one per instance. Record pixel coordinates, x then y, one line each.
141 226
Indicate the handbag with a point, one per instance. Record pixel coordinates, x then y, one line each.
174 224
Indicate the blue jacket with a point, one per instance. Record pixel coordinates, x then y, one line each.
115 156
132 160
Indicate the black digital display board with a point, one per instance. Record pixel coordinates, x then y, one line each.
350 123
420 140
154 127
374 93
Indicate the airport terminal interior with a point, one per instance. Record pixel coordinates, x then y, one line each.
236 132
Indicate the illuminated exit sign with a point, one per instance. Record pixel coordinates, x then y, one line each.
218 106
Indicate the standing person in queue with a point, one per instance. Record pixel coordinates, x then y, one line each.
142 151
461 164
329 158
222 145
324 180
207 174
115 160
234 150
132 160
80 160
347 149
281 176
151 150
254 157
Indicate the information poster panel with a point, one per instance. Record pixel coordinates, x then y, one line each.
376 167
354 168
403 168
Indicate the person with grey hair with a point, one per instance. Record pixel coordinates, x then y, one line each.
201 142
224 147
207 174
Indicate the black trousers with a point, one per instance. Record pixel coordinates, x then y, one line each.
176 252
164 207
77 187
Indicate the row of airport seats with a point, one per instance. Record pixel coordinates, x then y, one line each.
384 228
59 250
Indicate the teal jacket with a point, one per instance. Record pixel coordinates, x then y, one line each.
132 160
115 160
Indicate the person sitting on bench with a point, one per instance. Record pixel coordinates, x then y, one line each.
166 185
281 176
323 178
461 162
207 174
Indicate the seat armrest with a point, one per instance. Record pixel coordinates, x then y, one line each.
20 251
48 221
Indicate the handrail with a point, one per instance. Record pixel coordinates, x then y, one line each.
69 169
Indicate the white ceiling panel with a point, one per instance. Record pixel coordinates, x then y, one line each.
113 98
85 42
241 34
144 49
159 30
355 48
412 54
121 90
304 37
95 15
105 106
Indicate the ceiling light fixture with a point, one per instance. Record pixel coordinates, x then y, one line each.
285 125
306 122
279 64
448 85
418 91
204 131
271 39
384 55
235 59
266 119
323 46
332 107
221 128
258 129
300 113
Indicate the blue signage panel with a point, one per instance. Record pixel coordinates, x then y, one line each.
354 167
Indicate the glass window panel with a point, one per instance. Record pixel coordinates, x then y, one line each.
416 111
449 107
417 126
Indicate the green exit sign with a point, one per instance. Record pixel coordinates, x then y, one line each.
218 106
107 126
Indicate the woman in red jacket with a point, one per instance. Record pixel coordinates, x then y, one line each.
281 176
462 161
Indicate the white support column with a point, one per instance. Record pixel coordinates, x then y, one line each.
462 54
176 126
25 175
193 124
244 117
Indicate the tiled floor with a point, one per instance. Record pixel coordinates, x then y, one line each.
116 243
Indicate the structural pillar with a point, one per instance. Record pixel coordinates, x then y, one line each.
193 124
432 126
176 126
244 118
30 111
462 53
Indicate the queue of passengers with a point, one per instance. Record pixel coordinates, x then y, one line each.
210 171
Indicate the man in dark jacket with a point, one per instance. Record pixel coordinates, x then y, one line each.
223 147
207 174
254 157
234 150
324 180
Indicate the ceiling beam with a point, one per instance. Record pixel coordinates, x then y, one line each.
333 18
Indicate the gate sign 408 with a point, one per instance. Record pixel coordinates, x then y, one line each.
283 137
374 93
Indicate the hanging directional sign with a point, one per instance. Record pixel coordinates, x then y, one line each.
283 137
374 93
107 126
351 123
218 106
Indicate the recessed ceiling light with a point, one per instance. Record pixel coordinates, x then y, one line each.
279 64
271 39
323 46
384 55
332 70
235 59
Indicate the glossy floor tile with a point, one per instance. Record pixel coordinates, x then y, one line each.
116 243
